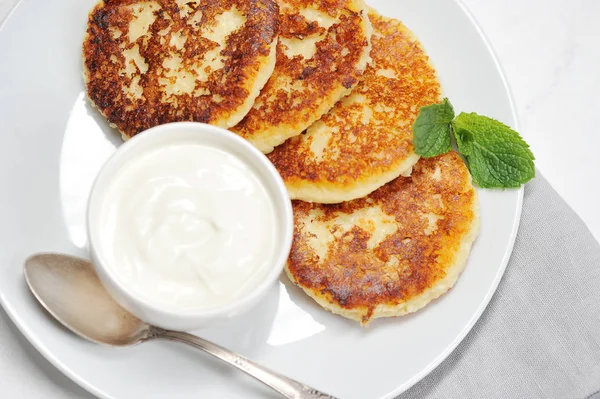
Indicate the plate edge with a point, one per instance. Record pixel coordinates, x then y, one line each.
10 12
16 320
515 229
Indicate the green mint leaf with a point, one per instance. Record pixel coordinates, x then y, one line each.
496 155
432 131
464 140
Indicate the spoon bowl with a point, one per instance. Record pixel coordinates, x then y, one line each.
69 289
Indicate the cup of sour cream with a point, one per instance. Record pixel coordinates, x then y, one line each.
188 225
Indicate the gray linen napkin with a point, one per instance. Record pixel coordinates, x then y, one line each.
540 335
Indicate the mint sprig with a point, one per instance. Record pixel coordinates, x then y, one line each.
496 155
432 129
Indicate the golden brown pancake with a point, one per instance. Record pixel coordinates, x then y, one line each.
323 51
152 62
365 141
393 252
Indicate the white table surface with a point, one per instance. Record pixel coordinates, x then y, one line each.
549 50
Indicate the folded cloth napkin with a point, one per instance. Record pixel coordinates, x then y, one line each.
540 335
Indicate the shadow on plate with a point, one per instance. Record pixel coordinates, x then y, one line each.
112 134
247 333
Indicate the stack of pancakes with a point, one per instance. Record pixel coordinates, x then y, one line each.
329 89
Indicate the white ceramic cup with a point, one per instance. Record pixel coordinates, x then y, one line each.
217 138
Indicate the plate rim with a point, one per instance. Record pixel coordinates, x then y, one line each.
513 236
83 383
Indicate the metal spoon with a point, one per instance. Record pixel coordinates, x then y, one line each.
70 290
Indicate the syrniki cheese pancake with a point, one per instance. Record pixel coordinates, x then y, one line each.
365 141
323 50
152 62
393 252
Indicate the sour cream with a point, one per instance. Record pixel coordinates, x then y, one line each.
188 226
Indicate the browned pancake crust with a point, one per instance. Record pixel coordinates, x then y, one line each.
243 52
335 68
355 278
357 152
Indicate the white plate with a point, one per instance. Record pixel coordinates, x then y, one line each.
52 144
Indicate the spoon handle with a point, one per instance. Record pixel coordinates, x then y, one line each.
284 385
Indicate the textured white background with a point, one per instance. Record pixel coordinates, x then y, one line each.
549 50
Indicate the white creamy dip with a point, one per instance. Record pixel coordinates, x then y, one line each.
188 226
